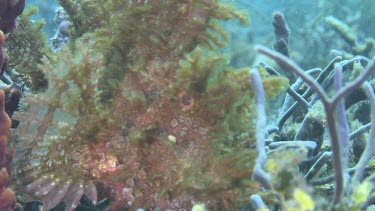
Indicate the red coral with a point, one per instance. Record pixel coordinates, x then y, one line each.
7 198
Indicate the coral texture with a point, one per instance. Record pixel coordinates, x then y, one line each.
7 197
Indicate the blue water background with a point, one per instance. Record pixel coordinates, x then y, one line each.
310 34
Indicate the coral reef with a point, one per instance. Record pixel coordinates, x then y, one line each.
9 10
351 38
352 190
61 36
141 108
138 106
7 197
281 30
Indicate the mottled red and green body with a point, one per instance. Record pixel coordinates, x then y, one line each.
142 113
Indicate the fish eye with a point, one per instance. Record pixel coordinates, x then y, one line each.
186 100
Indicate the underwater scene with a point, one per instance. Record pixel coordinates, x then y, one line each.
187 105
